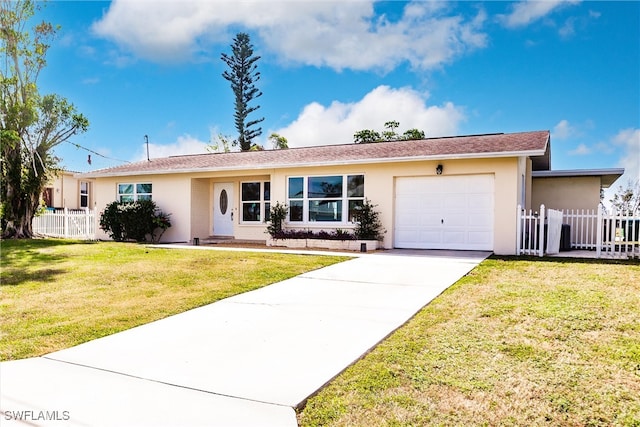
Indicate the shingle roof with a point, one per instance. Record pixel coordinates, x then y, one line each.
534 144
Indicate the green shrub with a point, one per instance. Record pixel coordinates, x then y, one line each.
278 214
368 224
139 221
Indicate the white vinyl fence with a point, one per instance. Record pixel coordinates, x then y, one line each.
66 223
610 235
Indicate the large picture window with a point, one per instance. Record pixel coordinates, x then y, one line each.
134 192
255 200
332 198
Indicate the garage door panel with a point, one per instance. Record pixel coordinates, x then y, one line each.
480 238
407 220
454 184
445 212
480 201
455 219
429 202
480 220
453 237
429 237
429 220
455 201
407 237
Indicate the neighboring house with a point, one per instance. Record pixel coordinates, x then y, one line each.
68 191
439 193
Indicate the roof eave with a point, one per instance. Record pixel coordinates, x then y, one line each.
607 176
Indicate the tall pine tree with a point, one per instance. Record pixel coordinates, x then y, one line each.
242 75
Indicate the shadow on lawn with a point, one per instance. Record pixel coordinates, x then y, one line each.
16 255
567 260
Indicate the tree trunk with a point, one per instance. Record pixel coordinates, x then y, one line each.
20 210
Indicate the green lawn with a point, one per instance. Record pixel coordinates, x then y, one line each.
516 342
55 294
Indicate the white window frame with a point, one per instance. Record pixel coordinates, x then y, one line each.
305 199
85 194
265 202
136 195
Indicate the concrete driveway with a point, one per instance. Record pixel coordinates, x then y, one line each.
244 361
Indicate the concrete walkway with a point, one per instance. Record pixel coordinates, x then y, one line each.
244 361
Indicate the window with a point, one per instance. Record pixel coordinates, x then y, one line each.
325 198
255 201
84 194
134 192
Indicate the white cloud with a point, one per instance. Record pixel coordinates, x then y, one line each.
563 130
91 81
629 140
526 12
568 29
339 35
580 150
184 145
336 123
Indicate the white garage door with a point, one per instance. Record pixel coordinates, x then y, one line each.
444 212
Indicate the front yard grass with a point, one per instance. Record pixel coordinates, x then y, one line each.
55 294
516 342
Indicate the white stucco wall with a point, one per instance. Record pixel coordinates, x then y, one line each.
582 192
171 193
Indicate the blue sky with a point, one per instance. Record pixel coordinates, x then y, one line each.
331 68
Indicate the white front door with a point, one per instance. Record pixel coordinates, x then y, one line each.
223 209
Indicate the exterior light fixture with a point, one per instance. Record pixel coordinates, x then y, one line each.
439 170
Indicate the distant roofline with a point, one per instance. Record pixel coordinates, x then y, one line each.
607 176
362 143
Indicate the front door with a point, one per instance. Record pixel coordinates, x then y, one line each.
223 209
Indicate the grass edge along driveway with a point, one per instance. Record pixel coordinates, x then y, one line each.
55 294
515 342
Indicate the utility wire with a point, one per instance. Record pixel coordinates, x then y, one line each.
96 153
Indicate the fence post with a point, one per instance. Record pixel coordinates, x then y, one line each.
86 223
65 230
541 231
519 231
599 226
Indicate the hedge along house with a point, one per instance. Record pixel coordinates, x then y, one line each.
440 193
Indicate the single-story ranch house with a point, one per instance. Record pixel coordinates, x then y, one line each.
457 192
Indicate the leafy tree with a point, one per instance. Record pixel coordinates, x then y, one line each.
242 75
369 135
221 144
413 134
366 135
31 124
279 142
627 200
390 134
